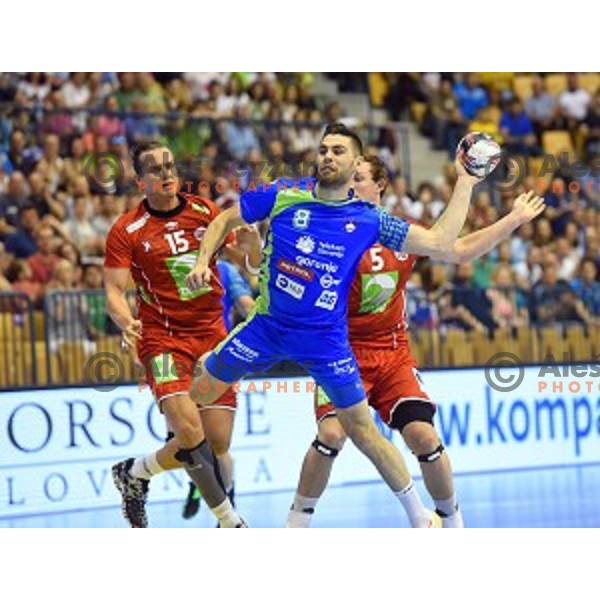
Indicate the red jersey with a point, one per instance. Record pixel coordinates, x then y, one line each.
160 249
376 302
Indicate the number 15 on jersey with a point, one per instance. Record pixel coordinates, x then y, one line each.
177 242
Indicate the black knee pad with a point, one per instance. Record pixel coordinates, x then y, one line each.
324 449
431 456
192 457
409 411
199 457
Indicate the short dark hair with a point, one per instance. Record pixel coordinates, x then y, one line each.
140 149
341 129
379 170
14 269
28 206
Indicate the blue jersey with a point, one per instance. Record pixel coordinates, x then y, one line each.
312 250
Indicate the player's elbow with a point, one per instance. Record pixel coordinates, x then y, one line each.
424 243
441 243
461 254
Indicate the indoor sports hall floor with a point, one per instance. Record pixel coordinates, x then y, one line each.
557 497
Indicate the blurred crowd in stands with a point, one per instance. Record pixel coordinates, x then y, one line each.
54 217
549 271
517 109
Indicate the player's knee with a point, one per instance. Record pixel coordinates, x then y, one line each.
414 420
332 434
189 434
422 439
219 446
201 454
188 430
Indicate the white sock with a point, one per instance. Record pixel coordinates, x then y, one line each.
448 506
146 467
298 520
418 515
226 514
454 521
301 512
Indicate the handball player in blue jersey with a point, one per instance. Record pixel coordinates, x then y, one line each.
316 238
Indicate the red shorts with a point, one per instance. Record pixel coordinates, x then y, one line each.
389 376
169 362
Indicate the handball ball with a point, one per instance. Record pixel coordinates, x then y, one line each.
478 153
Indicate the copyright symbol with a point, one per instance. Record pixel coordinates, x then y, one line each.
510 171
504 383
103 171
104 372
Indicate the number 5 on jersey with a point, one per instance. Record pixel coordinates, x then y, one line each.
376 259
177 242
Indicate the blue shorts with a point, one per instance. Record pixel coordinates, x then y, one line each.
260 342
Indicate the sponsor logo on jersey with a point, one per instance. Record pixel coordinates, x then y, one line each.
327 300
289 286
199 233
180 267
291 269
377 290
320 265
171 225
201 209
301 219
350 226
305 244
133 227
342 367
327 281
334 250
147 246
242 352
